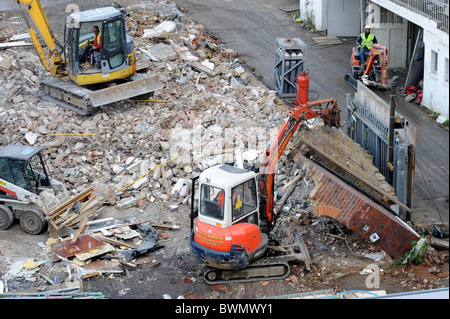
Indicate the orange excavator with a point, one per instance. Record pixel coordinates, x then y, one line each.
232 211
374 71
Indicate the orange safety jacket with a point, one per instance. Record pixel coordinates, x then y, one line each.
221 197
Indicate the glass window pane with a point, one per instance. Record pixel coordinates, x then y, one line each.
434 61
113 35
244 199
5 172
446 70
17 174
212 201
116 60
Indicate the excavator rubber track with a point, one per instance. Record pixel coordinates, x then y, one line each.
84 101
272 268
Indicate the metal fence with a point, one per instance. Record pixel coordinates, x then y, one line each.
372 135
436 10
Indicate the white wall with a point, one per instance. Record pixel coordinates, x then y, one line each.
343 17
312 12
435 89
337 17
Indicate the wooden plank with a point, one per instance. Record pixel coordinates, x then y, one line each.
53 224
293 181
88 213
80 229
113 241
91 197
328 40
22 36
57 211
95 252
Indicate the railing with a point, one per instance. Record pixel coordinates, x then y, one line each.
434 9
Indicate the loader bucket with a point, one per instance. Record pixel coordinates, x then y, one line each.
138 85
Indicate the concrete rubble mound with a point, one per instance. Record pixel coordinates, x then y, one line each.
209 99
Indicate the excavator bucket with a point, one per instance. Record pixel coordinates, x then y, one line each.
332 118
297 251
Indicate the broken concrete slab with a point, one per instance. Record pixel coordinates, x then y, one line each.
201 68
163 52
163 27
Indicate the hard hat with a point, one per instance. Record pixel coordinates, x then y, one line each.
367 27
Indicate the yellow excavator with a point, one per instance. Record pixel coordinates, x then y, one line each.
83 84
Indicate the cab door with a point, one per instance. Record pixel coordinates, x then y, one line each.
194 200
113 55
71 49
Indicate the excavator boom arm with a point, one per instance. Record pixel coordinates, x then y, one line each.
381 52
326 109
52 61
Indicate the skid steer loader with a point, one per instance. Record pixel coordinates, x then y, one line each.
27 192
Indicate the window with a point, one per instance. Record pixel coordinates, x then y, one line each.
5 172
446 70
12 172
113 35
434 61
113 40
212 201
387 16
243 199
36 172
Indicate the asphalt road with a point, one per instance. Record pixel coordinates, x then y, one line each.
251 28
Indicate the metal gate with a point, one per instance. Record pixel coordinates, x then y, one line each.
364 128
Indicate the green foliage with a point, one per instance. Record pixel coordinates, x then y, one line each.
416 255
435 115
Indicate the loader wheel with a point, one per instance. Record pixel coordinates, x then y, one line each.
32 222
6 217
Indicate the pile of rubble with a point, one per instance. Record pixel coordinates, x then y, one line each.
209 105
99 247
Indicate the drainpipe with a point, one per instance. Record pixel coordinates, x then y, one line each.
390 152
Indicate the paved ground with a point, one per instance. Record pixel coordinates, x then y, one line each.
251 28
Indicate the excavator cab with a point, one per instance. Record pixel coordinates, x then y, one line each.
117 57
225 220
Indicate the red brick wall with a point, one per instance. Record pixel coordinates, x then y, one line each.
334 198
